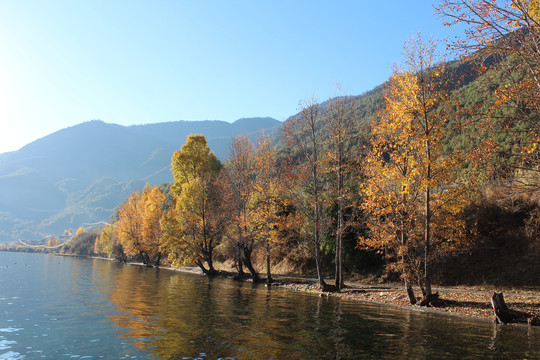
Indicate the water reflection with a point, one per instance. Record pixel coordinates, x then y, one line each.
175 316
58 308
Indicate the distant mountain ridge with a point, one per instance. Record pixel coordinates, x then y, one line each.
80 173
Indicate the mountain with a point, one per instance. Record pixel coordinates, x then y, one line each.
81 173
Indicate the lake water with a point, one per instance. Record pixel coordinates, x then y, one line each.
54 307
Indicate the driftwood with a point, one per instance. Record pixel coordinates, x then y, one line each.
506 316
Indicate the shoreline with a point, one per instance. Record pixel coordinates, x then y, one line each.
462 301
458 302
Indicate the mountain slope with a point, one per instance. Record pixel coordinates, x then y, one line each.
79 174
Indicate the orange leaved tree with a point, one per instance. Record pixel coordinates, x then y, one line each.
138 226
413 192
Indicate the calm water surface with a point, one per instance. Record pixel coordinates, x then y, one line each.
55 307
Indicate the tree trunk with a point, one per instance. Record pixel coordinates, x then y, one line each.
145 259
268 274
201 266
427 273
340 224
210 262
316 239
404 265
427 235
322 284
141 255
410 291
505 315
239 262
208 258
339 275
247 261
339 238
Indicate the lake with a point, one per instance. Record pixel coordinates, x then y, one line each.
55 307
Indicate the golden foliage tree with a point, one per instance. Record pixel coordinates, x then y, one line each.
194 226
108 244
129 227
152 200
270 213
413 194
138 226
52 242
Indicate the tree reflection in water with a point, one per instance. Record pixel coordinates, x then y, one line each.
172 315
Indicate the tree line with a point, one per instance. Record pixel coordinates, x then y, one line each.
397 190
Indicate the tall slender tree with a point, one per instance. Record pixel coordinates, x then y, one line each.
339 124
152 201
303 134
241 176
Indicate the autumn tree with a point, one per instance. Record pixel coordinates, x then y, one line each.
53 242
339 124
304 135
129 227
138 225
240 170
195 225
271 216
109 244
508 31
413 193
152 201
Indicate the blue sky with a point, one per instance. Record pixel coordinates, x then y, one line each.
134 62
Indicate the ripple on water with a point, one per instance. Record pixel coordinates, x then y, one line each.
5 344
11 355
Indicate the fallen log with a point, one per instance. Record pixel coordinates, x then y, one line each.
505 315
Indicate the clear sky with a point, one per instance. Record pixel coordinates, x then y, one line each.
134 62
